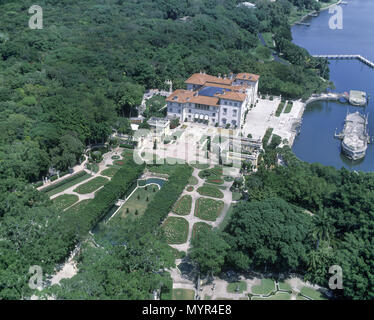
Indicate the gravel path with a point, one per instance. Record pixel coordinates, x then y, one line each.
179 281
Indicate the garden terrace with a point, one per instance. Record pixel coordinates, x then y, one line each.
65 201
237 287
158 209
183 294
91 185
176 230
266 287
200 227
94 210
208 209
183 205
66 183
136 205
110 172
210 191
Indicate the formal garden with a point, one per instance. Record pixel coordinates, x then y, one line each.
176 230
66 183
193 181
237 287
183 294
266 287
81 205
65 201
200 227
210 191
136 205
91 185
110 171
208 209
183 205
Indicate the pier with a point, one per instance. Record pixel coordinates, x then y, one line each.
345 57
327 96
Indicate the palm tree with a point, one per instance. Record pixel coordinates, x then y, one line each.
313 259
323 227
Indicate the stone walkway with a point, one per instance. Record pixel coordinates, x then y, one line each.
107 160
179 281
69 268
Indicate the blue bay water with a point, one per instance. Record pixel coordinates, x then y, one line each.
316 142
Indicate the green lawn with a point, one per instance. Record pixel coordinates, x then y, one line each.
91 185
237 287
164 168
176 230
268 37
78 207
138 202
183 294
277 296
313 294
110 172
284 286
288 107
208 209
266 286
199 227
200 166
236 196
183 205
63 185
210 191
65 201
279 109
193 180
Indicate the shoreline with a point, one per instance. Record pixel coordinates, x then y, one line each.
314 12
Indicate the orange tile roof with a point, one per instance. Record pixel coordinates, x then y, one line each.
230 95
210 101
233 88
202 78
247 76
183 96
180 96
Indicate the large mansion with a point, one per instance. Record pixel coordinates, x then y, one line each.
214 100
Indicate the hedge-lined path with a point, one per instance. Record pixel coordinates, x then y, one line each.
69 268
178 281
107 160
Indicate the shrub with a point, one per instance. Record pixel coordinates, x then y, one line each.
165 198
65 181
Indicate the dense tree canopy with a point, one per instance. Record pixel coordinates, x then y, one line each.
270 233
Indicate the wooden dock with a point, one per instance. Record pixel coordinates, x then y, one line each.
345 57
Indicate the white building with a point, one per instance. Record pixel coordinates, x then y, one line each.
214 100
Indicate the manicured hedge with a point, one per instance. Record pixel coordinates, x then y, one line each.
164 200
65 181
266 137
104 199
